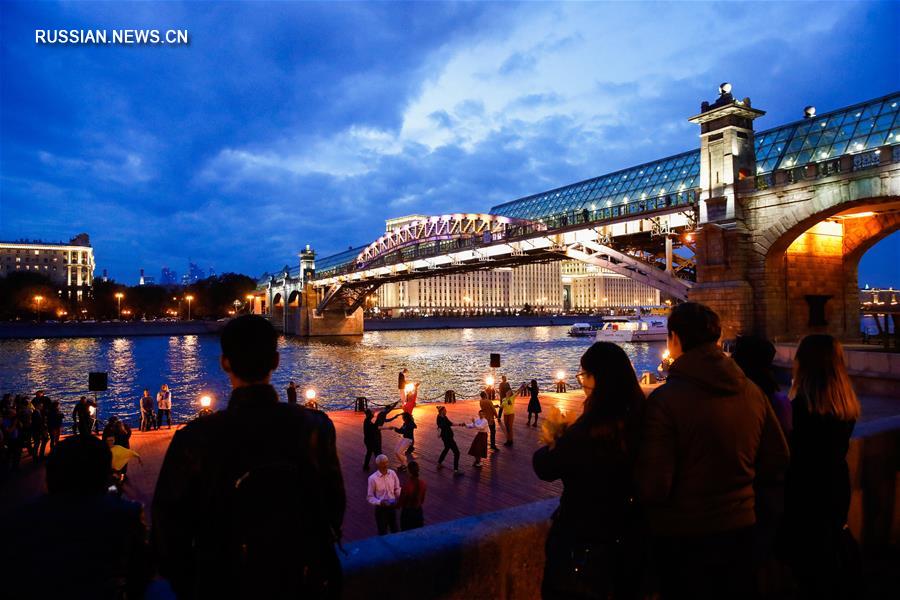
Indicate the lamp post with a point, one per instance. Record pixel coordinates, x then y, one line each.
37 301
119 296
189 298
249 298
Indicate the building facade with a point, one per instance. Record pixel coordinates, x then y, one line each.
69 266
544 287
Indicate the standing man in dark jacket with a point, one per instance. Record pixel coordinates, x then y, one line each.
250 500
708 433
490 413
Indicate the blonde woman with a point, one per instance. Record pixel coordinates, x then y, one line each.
817 543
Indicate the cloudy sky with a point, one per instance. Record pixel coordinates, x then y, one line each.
283 124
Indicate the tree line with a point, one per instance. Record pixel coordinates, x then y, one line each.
212 298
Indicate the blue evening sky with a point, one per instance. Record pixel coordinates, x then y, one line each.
283 124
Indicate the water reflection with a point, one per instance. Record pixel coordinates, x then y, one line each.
339 369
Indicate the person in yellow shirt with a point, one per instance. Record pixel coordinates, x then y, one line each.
121 456
508 405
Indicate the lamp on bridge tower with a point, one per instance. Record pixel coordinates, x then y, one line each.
727 154
307 264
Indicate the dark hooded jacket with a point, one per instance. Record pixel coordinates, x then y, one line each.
708 433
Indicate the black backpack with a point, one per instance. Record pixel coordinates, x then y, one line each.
275 539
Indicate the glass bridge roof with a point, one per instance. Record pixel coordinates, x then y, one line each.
853 129
337 260
849 130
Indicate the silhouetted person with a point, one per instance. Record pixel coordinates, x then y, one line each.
250 500
445 428
534 402
54 423
592 547
146 404
490 413
401 384
754 355
817 542
412 497
371 438
292 393
709 432
78 540
82 419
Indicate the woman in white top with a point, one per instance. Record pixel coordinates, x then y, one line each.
478 449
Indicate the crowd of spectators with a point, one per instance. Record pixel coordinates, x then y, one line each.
714 486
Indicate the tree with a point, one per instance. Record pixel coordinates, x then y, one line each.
17 293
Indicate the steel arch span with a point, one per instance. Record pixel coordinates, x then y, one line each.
458 226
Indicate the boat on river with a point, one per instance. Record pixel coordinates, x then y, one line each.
584 329
645 328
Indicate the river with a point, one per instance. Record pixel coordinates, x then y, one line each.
338 369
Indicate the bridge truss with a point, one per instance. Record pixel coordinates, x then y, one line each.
438 246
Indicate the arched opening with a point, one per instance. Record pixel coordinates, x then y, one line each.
877 274
810 281
278 310
294 299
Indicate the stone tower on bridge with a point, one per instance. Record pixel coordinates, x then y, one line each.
778 254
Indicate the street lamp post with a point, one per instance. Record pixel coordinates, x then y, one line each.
189 298
249 298
37 301
119 296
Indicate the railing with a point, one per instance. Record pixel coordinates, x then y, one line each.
847 163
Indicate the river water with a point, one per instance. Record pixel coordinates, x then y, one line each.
338 369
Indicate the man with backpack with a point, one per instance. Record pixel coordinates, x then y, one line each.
250 500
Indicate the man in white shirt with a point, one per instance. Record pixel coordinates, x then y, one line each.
164 404
383 493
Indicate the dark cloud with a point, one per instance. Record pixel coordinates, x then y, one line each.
281 124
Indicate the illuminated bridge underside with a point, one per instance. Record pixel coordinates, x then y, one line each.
590 244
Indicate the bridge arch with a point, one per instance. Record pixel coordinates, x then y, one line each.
452 229
809 260
278 309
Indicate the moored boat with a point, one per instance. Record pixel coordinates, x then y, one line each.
645 328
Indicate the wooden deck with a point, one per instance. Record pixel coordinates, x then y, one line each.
505 480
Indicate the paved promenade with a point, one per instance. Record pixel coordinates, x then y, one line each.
506 479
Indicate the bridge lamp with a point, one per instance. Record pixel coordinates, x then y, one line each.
205 401
489 380
310 394
560 375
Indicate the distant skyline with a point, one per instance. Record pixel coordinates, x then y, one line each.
286 124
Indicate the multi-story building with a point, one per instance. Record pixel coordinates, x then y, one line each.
564 285
68 265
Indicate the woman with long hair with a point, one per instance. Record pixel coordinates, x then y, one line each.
591 545
816 541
